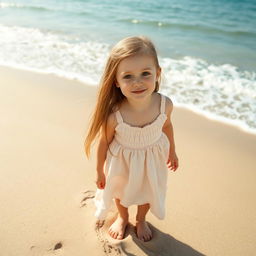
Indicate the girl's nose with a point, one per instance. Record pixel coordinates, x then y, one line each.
137 80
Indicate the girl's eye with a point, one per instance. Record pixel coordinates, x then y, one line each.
145 73
127 77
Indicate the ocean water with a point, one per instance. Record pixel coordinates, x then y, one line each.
207 49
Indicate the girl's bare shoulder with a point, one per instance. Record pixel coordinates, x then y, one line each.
112 121
168 105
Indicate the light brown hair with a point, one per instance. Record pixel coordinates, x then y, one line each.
109 96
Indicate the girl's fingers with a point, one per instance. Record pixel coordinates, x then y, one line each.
172 165
175 166
100 185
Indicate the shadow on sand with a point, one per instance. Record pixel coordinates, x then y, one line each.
162 244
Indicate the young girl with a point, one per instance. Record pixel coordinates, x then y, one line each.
136 145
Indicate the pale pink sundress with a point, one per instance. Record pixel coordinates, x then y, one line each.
137 173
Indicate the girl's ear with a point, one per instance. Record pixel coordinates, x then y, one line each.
158 73
115 81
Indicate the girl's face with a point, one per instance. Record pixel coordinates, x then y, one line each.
137 75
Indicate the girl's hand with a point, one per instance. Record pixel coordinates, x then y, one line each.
173 161
100 180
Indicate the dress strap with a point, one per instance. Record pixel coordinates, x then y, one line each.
162 103
119 117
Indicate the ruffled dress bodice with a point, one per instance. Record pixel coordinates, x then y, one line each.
139 137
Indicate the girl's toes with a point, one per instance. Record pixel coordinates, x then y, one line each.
120 236
141 238
113 234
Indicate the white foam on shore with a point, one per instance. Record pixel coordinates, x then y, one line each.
221 92
33 49
6 5
214 117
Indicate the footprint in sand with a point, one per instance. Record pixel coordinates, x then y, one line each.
38 250
88 194
108 248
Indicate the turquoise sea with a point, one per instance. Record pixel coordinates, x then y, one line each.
207 49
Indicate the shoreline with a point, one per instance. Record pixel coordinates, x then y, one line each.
47 182
208 115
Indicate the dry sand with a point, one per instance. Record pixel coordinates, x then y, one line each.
47 184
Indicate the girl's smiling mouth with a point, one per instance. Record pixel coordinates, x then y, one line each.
140 91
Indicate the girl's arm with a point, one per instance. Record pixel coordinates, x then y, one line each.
105 139
168 130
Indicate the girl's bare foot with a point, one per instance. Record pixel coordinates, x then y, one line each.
117 229
143 231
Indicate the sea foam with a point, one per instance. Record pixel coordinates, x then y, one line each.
221 92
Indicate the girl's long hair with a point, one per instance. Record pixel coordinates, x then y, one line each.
109 96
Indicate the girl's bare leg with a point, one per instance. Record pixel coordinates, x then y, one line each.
117 229
143 231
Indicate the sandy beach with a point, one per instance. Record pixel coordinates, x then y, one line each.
47 184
